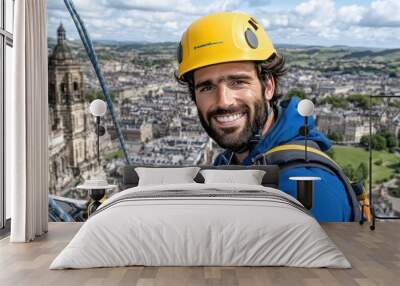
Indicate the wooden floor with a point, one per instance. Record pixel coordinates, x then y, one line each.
375 256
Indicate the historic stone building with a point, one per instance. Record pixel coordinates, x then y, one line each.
72 140
350 125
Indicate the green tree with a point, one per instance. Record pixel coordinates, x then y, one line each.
390 138
349 171
362 100
379 142
398 139
335 136
364 141
359 100
126 101
92 95
391 141
297 92
361 172
335 101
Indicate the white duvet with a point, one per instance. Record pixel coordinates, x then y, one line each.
184 230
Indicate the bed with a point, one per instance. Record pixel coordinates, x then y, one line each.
201 224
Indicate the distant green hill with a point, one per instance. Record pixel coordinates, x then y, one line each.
341 51
390 53
142 47
328 59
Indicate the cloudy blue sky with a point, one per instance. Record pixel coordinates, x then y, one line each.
365 23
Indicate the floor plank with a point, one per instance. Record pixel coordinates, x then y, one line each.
374 255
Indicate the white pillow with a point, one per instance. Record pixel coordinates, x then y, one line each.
163 176
248 177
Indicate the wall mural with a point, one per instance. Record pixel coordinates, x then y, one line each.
159 122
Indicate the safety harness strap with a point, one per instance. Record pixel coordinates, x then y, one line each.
291 155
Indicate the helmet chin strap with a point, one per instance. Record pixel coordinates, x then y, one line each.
256 133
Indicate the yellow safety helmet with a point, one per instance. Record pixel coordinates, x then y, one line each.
222 37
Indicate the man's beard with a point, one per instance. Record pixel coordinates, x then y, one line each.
225 137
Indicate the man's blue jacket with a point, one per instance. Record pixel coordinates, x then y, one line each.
331 202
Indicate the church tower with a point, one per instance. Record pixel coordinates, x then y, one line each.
67 111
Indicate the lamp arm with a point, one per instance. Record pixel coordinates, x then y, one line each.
305 137
98 138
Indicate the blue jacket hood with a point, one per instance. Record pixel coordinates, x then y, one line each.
285 129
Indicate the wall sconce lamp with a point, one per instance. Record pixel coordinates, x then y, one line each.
305 184
97 185
98 108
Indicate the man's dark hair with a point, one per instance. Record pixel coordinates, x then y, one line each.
274 66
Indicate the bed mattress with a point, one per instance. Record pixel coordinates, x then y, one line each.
201 225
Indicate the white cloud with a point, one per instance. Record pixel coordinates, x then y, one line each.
173 25
324 13
179 6
324 22
280 20
149 5
311 22
389 9
351 14
314 17
383 13
158 20
316 13
312 6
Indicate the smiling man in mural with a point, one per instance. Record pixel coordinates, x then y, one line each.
232 71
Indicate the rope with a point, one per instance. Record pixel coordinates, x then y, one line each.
87 43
